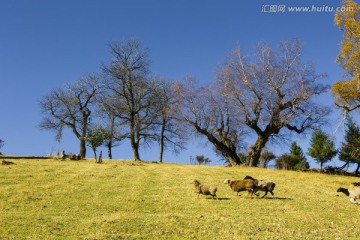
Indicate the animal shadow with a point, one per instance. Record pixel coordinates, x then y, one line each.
276 198
224 198
218 198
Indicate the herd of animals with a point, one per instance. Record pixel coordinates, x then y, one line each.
252 186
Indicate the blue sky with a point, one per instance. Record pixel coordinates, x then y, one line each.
46 44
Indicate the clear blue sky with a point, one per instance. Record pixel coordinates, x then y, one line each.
45 44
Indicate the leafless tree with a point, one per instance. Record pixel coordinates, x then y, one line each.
110 123
172 132
273 90
71 107
211 115
131 90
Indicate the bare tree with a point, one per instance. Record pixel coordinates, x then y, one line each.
273 91
131 91
71 107
172 132
110 123
211 115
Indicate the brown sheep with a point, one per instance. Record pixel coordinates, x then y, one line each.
204 189
263 185
241 185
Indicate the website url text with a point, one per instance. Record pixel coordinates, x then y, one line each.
303 9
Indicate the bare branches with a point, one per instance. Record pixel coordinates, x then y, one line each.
70 108
130 90
273 91
211 115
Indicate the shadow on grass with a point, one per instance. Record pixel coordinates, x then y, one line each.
224 198
218 198
276 198
266 198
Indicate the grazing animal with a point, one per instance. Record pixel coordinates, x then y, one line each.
63 155
75 156
241 185
204 189
353 192
4 162
263 185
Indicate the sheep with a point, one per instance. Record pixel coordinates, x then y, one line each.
353 192
241 185
63 155
4 162
204 189
263 185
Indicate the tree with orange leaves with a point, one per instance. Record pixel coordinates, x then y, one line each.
347 92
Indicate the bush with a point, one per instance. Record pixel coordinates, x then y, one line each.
291 162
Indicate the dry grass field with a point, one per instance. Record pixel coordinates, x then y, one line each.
52 199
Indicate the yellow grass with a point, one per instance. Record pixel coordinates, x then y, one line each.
52 199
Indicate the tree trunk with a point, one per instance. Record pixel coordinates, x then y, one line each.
109 146
161 152
256 151
85 116
161 141
228 152
232 157
100 158
134 141
94 149
135 149
357 169
82 147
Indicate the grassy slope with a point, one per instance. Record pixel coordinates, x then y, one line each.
49 199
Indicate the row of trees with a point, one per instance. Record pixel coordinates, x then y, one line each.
322 149
295 160
268 95
124 102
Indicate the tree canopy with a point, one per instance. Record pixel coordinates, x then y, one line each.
295 160
349 151
347 91
130 91
71 107
322 148
96 136
273 90
211 115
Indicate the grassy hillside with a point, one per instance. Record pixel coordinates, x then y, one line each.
51 199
